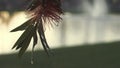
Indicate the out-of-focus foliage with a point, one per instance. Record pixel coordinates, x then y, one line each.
114 6
68 5
74 6
97 56
9 7
13 5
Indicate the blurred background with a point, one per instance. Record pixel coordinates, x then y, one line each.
89 35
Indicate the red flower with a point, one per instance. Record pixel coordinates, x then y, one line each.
41 12
47 10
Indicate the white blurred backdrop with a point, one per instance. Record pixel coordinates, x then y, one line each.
95 25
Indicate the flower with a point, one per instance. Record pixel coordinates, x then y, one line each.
47 10
41 12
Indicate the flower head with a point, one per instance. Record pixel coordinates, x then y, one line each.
47 10
41 12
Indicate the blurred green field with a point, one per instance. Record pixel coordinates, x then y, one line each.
106 55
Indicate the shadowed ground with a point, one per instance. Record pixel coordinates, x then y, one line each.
105 55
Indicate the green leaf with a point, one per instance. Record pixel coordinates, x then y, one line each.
41 33
43 39
35 38
22 27
23 36
25 45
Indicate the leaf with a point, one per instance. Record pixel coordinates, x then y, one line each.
43 39
41 33
22 27
35 38
25 45
23 37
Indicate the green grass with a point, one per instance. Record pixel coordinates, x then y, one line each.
106 55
